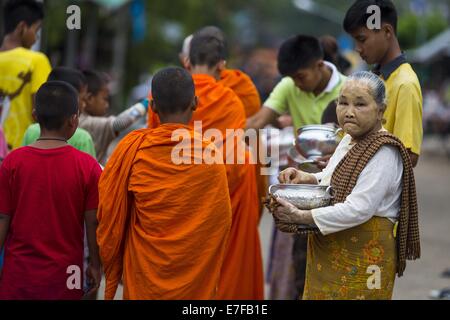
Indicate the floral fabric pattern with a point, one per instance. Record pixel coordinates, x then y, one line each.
355 264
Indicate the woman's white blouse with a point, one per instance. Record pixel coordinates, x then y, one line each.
377 191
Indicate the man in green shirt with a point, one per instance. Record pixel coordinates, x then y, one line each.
81 139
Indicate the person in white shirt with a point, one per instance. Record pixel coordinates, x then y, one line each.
371 227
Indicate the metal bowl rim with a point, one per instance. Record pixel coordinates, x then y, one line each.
320 127
298 186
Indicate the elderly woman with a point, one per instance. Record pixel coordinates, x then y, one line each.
371 227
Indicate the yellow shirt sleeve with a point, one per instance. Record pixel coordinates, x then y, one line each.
41 70
408 117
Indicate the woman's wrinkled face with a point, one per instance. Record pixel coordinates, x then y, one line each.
357 111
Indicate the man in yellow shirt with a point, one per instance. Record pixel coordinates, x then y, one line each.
379 45
22 71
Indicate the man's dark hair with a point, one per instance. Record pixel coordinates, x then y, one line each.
329 114
357 16
172 90
72 76
95 81
213 31
56 101
206 50
298 52
330 48
16 11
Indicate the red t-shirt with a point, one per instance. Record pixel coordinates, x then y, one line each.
46 192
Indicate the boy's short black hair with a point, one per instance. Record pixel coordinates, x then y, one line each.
206 50
72 76
56 101
357 16
173 90
16 11
95 81
298 52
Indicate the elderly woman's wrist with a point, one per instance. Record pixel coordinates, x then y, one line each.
309 178
303 217
313 179
305 177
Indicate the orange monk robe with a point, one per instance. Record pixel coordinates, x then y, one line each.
242 272
245 89
163 227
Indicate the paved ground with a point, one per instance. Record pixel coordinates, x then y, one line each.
433 188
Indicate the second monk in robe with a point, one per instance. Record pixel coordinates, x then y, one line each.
220 108
164 225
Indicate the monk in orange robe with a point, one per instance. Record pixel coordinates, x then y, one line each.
164 217
235 79
243 87
220 108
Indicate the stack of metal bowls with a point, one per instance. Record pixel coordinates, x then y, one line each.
313 142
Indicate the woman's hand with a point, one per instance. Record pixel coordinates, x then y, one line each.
294 176
322 162
288 213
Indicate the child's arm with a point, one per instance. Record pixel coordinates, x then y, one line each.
130 116
94 269
4 227
5 201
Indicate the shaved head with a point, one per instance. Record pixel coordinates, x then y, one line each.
209 31
206 50
173 90
56 101
212 31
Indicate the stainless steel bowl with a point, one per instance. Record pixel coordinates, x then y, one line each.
303 196
300 162
315 141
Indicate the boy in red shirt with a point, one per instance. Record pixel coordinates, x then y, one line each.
48 190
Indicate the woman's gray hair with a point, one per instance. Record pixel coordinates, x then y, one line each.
375 83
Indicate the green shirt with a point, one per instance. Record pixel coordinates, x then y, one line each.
80 140
305 108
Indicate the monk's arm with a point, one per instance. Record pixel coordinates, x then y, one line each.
4 227
262 118
94 272
414 158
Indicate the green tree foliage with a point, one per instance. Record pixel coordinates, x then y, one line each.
248 24
414 30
